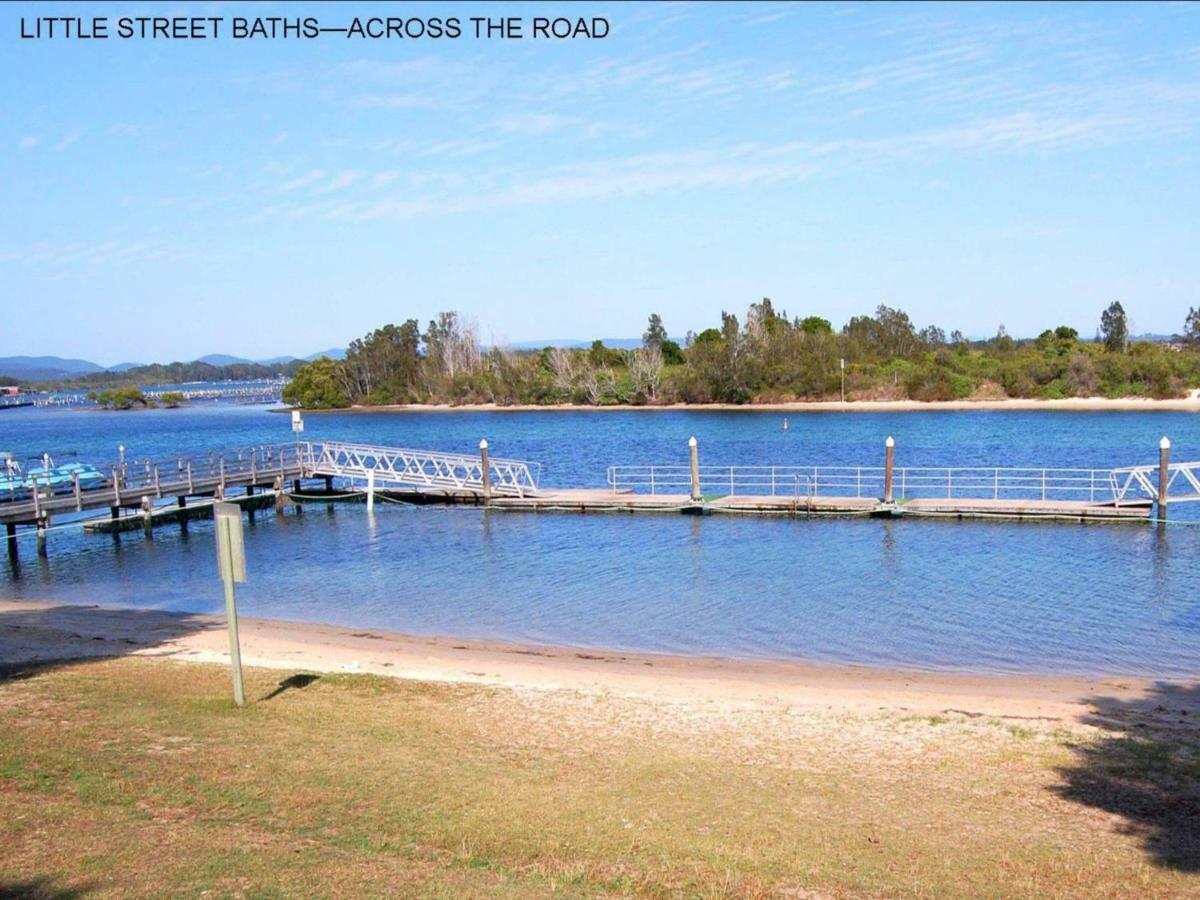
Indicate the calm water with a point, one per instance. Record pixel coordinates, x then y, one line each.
934 594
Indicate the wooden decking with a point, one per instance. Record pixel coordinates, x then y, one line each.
607 500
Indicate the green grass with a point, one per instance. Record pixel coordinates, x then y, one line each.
139 778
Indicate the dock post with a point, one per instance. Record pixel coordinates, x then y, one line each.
371 491
329 484
41 535
694 453
1164 476
222 471
147 517
889 468
485 471
75 491
279 500
10 529
191 484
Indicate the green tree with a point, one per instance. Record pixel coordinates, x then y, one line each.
1114 328
816 325
656 334
318 385
672 353
1191 327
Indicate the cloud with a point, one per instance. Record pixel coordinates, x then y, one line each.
68 140
340 181
28 142
392 101
306 180
93 253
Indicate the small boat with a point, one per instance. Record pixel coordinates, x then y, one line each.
48 478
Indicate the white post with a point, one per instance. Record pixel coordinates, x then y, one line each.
1164 476
231 563
485 470
694 454
371 491
889 468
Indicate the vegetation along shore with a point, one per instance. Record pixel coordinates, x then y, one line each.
770 358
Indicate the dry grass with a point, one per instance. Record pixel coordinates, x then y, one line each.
137 777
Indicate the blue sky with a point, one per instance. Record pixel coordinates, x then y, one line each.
973 165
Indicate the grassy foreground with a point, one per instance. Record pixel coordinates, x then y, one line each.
138 777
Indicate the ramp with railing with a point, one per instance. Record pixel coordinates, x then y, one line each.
424 470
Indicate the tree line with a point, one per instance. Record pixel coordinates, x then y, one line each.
765 357
163 373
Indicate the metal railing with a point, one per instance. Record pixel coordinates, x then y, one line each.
1183 482
422 468
949 482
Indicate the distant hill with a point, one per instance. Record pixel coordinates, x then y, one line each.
34 368
574 343
123 367
334 353
223 359
276 361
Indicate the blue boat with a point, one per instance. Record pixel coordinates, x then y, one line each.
18 484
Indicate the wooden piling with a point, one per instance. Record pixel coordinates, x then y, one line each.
75 492
280 497
889 468
694 454
10 529
41 536
1164 477
485 471
147 516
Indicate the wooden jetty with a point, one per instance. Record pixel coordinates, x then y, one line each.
147 493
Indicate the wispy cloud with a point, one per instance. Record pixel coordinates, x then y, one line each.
97 253
28 142
68 139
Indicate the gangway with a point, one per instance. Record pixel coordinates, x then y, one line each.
1141 482
396 467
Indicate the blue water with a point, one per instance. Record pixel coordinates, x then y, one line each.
980 596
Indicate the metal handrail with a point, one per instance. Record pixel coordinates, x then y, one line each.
422 468
911 482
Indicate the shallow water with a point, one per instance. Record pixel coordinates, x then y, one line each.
979 596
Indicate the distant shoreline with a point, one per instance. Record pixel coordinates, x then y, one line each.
1191 403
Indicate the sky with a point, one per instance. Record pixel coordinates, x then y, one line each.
974 165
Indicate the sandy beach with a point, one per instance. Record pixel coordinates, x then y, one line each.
1190 403
33 632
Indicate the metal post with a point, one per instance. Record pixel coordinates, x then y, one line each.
694 453
75 491
222 473
191 486
1164 476
888 468
371 491
116 489
485 471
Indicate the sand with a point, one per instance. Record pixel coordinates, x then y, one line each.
32 632
1190 403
